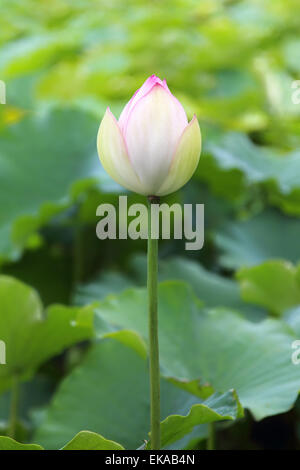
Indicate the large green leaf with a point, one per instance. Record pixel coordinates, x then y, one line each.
213 289
84 440
251 242
217 345
112 383
234 152
46 160
274 285
105 283
32 336
216 408
87 440
6 443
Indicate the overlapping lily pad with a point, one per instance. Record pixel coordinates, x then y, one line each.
216 408
216 345
108 394
213 289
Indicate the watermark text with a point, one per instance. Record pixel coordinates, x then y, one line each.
296 353
188 222
2 352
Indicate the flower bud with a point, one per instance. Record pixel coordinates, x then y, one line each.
152 149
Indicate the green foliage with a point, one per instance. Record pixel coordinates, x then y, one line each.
31 336
213 290
86 440
113 385
269 235
275 285
217 407
6 443
224 349
251 164
66 166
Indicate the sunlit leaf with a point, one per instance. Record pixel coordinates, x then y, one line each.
87 440
274 285
6 443
31 336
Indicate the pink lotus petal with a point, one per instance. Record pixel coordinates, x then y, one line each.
153 128
140 93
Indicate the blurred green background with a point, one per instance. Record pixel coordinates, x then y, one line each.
233 63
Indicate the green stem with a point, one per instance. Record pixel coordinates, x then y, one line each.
211 436
153 335
13 415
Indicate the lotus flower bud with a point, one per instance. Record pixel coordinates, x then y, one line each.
152 149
